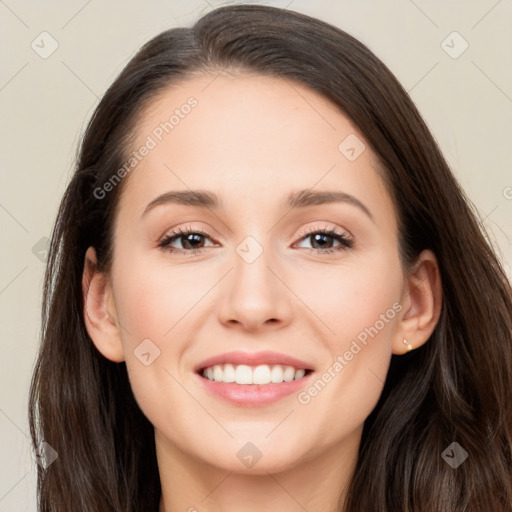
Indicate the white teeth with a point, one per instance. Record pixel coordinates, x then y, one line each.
261 375
217 372
276 375
299 374
229 373
289 373
244 374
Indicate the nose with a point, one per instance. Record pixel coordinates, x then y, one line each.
254 293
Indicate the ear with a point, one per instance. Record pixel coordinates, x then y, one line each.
422 300
99 310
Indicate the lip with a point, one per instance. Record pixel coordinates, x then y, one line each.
253 359
253 395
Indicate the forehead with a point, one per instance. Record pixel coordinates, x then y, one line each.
249 135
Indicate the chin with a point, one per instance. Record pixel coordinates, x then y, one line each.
256 455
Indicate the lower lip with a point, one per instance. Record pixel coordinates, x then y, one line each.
254 395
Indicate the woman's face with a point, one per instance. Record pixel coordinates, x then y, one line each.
265 290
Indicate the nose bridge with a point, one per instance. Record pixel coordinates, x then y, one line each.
253 257
254 252
253 294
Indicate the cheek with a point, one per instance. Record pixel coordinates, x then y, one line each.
365 323
352 299
152 304
360 307
151 300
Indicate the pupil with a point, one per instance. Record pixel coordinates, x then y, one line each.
196 236
319 235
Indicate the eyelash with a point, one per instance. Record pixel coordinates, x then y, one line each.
345 242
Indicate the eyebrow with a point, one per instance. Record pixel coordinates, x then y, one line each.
299 199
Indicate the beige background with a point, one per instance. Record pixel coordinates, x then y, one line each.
45 103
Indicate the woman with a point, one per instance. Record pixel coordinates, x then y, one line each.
242 369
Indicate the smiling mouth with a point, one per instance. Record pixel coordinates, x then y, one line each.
253 375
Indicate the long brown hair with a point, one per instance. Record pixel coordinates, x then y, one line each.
455 388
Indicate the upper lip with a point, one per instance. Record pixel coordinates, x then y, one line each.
253 359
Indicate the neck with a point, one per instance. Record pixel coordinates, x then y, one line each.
313 484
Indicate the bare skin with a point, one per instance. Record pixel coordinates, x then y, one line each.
252 140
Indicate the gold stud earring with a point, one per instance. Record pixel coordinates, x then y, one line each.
409 346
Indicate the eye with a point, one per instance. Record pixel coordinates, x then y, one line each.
190 238
322 236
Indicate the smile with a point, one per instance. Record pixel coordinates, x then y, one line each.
258 379
260 375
